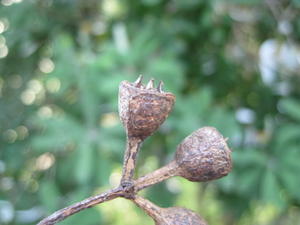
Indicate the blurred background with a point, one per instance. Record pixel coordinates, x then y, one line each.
231 64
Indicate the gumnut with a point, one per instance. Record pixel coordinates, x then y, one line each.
201 156
204 155
169 216
143 109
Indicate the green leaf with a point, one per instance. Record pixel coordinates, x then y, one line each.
291 107
249 158
84 166
249 180
290 158
286 135
104 169
270 189
56 133
290 181
223 120
49 195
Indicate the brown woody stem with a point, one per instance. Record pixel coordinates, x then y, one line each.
159 175
131 152
152 178
150 208
87 203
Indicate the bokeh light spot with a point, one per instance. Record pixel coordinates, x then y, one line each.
46 65
111 8
7 2
114 178
2 27
45 161
245 115
6 211
2 40
173 185
3 51
53 85
6 183
45 112
28 97
35 86
10 135
22 132
109 119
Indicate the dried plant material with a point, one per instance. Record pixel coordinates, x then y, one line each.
143 109
169 216
130 158
77 207
202 156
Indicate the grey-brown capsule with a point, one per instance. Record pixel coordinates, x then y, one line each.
143 109
202 156
169 216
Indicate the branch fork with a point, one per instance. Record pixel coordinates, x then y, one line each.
202 156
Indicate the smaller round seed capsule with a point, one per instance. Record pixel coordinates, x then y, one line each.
169 216
202 156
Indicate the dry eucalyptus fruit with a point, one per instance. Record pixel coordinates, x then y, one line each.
142 110
202 156
169 216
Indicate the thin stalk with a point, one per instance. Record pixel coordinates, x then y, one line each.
159 175
130 157
86 203
150 208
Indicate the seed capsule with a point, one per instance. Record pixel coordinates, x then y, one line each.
142 110
169 216
202 156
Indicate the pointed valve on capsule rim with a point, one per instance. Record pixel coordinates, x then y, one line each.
150 84
160 86
138 82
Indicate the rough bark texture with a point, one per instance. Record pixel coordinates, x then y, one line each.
130 158
157 176
77 207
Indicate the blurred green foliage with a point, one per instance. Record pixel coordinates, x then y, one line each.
60 137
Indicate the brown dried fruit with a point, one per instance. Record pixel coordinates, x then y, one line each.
143 109
169 216
202 156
